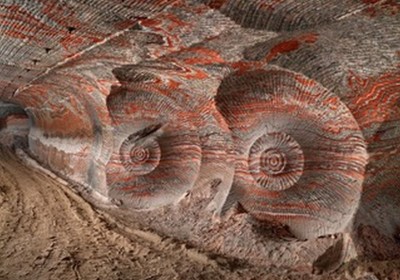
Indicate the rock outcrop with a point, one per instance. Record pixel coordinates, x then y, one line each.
262 130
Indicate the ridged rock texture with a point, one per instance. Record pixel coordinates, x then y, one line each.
253 129
300 153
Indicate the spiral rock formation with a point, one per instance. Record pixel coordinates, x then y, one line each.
230 124
300 153
160 156
276 161
366 81
161 139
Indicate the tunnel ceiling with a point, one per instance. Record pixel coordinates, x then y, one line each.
272 116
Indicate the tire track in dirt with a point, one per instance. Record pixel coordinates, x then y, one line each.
50 232
47 231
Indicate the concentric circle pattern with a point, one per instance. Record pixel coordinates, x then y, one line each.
157 157
276 161
300 153
163 144
273 161
219 123
140 157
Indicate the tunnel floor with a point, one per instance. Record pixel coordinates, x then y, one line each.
48 231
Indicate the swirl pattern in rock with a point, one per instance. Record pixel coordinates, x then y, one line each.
169 139
276 161
140 155
290 148
366 79
157 149
300 153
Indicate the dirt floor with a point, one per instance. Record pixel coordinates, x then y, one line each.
48 231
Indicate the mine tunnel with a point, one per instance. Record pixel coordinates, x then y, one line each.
14 126
200 139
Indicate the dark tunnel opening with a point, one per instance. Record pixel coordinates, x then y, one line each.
14 126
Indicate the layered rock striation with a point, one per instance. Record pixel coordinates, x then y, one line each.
252 129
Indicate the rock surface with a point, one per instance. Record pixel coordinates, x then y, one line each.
265 131
50 232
